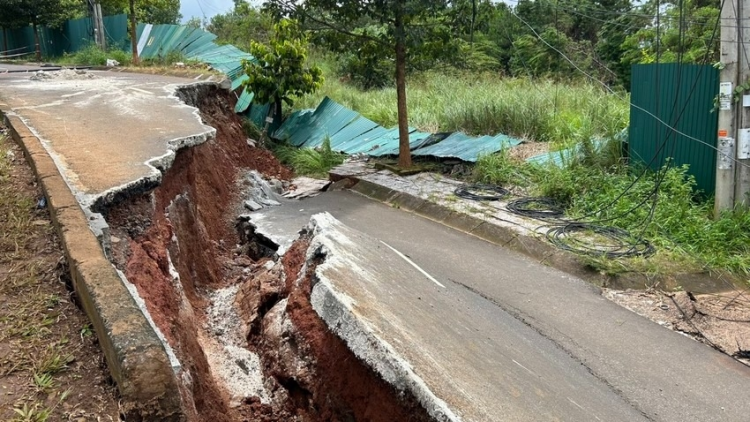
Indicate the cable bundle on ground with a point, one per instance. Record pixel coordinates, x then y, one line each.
481 192
619 242
540 208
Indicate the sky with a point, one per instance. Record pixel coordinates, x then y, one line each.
201 8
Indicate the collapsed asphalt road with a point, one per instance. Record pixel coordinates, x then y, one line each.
557 331
495 335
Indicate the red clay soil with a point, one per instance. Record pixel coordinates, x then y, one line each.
189 220
194 205
340 387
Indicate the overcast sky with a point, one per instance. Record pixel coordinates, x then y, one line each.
201 8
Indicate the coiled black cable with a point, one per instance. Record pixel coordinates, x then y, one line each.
481 192
620 243
541 208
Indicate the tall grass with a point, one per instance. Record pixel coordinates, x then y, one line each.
538 110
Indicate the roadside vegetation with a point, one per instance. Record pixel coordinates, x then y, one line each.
663 207
50 365
92 55
480 103
308 161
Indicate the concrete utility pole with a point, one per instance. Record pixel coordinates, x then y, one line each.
100 36
133 33
742 165
727 111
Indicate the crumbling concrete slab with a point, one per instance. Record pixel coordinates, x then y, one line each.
137 359
461 360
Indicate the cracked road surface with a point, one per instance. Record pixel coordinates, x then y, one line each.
107 131
515 340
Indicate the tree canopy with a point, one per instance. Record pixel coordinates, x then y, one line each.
17 13
280 72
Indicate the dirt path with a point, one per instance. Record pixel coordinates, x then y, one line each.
51 368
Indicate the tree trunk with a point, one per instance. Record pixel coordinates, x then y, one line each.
133 33
278 109
404 153
38 47
473 20
5 41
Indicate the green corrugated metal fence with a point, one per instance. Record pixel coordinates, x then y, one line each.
72 36
680 96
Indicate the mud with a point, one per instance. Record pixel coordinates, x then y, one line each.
237 316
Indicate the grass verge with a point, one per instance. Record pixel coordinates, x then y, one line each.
307 161
680 224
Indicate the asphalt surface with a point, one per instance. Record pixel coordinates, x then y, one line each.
573 340
104 132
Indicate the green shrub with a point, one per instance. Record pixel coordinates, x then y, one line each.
308 161
92 55
123 57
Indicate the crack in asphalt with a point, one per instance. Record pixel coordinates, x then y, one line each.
524 319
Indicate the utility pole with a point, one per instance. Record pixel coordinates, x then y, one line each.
99 35
742 165
97 24
725 168
133 33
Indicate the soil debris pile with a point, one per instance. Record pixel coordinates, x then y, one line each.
64 74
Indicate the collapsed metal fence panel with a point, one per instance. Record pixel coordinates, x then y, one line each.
351 133
161 41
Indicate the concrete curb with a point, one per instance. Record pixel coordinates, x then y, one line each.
135 355
534 247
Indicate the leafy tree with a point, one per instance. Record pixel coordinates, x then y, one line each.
686 36
402 28
19 13
242 25
280 74
146 11
194 22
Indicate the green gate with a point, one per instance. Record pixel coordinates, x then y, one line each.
671 116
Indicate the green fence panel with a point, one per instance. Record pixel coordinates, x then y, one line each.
18 40
79 34
116 29
671 117
72 36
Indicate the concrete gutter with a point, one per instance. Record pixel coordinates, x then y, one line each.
423 196
136 357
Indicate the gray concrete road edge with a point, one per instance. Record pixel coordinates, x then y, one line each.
136 357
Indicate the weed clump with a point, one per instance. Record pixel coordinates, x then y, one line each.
308 161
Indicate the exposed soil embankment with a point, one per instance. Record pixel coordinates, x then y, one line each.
249 344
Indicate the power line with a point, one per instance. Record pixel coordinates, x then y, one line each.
611 91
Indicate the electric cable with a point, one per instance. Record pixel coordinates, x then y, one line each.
481 192
540 208
619 243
